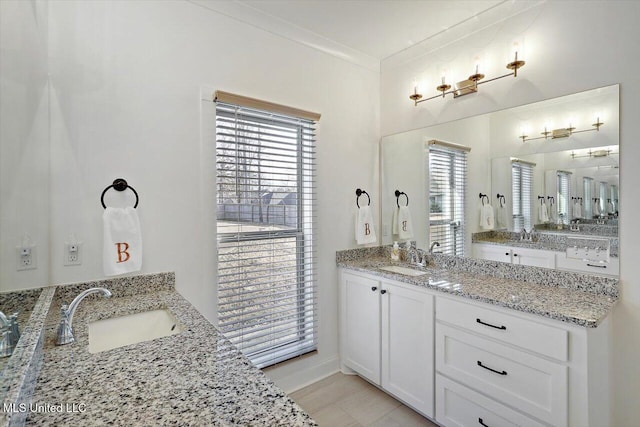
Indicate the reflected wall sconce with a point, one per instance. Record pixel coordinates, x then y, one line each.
562 132
465 87
594 153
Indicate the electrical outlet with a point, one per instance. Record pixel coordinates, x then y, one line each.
72 254
26 258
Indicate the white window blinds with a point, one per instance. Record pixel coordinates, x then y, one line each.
447 188
587 187
603 198
563 195
521 191
265 172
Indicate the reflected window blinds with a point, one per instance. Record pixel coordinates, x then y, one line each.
587 187
265 172
522 193
447 189
563 196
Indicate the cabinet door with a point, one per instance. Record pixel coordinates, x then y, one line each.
407 346
492 252
534 257
361 325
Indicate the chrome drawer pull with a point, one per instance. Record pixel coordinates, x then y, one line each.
482 422
599 266
492 370
504 328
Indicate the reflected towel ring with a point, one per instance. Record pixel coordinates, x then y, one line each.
542 200
399 193
501 199
552 200
119 184
359 193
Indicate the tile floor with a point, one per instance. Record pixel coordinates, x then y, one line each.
349 401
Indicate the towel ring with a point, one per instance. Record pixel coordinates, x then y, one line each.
482 197
119 184
359 193
399 193
552 200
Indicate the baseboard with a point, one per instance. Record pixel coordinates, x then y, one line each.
290 382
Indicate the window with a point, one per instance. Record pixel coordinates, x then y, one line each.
603 198
265 165
613 190
522 191
563 195
447 187
587 184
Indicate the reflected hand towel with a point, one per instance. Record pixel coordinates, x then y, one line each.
405 225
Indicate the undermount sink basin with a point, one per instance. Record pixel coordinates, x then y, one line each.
126 330
403 270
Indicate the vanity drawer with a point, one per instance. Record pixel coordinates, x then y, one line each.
521 380
543 339
611 268
459 406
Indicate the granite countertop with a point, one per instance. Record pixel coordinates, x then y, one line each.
196 377
550 240
574 306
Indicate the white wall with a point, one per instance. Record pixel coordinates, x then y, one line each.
570 47
126 102
24 141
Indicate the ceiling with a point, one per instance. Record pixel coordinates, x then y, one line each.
376 28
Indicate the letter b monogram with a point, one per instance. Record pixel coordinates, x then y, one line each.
367 231
123 255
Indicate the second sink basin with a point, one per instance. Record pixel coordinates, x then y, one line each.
126 330
403 270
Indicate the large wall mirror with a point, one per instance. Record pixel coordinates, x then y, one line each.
561 153
24 145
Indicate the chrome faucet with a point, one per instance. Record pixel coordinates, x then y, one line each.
65 328
10 334
432 245
528 236
575 225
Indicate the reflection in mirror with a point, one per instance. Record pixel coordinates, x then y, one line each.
24 165
24 146
552 165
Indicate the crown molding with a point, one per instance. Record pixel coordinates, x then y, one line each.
246 14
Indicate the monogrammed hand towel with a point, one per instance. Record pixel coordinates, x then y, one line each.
122 241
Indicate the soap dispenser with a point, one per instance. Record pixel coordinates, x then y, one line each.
395 252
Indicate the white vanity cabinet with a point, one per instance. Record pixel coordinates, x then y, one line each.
516 369
515 255
386 336
469 363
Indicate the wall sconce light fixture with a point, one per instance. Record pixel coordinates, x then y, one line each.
562 132
468 86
